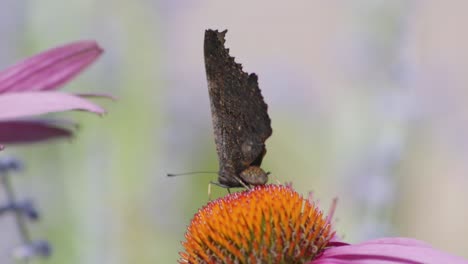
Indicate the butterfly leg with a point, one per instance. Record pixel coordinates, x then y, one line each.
242 183
209 191
218 184
276 179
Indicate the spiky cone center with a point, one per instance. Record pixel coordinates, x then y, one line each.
268 224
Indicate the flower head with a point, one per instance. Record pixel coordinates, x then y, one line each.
274 224
269 224
27 89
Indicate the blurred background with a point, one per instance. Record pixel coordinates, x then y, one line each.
368 101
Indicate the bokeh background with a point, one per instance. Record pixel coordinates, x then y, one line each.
368 100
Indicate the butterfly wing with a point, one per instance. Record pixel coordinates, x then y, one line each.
240 119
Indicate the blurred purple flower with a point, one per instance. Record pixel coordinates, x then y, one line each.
31 130
27 89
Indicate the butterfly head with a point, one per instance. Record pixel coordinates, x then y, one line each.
254 175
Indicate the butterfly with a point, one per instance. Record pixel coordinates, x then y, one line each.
240 118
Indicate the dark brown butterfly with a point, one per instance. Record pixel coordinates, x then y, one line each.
240 119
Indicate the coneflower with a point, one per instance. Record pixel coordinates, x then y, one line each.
275 224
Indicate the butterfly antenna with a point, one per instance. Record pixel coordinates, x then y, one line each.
190 173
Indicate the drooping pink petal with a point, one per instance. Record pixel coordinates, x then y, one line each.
17 105
50 69
386 251
398 241
29 131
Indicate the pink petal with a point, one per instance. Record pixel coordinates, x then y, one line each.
398 241
17 105
50 69
386 251
28 131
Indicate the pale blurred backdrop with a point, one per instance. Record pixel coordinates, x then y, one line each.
368 101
